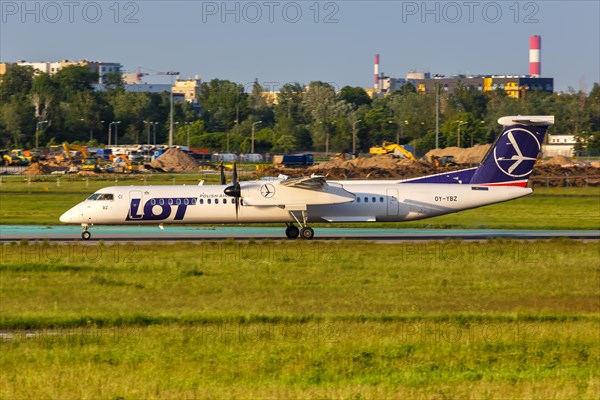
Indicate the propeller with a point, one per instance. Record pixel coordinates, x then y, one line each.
234 190
223 180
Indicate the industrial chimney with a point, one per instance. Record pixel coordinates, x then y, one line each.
535 56
376 86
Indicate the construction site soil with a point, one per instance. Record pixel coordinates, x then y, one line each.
557 171
175 160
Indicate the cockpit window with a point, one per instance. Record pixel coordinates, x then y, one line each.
102 196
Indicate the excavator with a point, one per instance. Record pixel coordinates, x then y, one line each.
392 148
443 162
88 162
121 161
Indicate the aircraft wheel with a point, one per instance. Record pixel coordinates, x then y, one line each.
86 235
292 232
307 233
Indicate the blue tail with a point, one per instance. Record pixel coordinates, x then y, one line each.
510 160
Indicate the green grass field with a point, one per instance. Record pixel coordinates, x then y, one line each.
24 201
277 319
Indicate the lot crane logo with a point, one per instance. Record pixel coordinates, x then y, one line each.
267 191
514 158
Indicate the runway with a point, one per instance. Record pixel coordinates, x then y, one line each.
146 233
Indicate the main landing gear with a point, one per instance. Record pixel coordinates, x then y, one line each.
85 235
305 232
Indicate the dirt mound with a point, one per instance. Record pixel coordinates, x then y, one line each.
37 168
558 160
175 160
471 155
374 167
547 175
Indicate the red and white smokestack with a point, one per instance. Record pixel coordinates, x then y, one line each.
376 82
535 56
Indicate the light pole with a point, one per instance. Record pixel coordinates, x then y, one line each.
458 138
147 129
326 126
171 73
115 123
37 132
354 136
252 145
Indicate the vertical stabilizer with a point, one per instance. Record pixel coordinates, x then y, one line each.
510 160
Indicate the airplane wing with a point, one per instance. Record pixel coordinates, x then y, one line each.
295 193
306 182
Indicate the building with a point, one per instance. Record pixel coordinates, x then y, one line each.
189 88
559 145
514 86
52 67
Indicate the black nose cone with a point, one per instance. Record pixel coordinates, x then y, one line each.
233 191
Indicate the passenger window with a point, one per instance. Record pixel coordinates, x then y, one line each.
170 202
374 199
358 199
381 199
186 201
201 201
153 202
208 201
216 201
366 199
161 202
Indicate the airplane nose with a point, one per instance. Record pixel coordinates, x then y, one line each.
66 217
69 216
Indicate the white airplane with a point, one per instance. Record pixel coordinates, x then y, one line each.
501 176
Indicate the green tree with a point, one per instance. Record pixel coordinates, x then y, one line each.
17 81
355 96
224 104
17 119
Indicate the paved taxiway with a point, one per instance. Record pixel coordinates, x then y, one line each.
148 233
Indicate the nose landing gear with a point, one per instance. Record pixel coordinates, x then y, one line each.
85 235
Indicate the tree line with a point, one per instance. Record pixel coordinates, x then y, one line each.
66 106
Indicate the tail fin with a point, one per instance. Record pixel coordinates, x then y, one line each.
510 160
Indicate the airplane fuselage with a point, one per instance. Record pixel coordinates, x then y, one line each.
373 201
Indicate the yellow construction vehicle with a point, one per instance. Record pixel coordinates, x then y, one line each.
443 162
9 158
122 161
88 162
392 148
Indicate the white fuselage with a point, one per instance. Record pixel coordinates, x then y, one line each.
373 201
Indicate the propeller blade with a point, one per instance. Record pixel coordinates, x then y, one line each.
234 177
237 201
223 180
234 190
